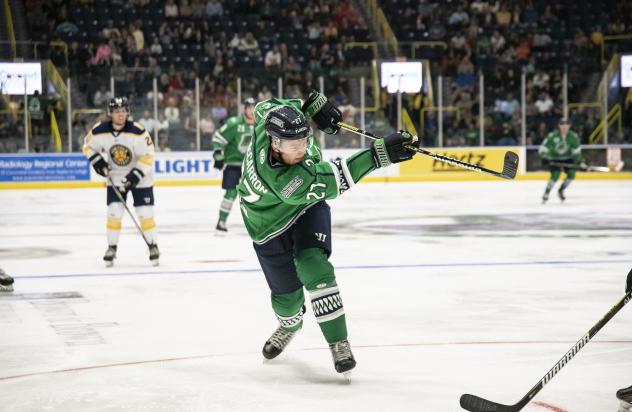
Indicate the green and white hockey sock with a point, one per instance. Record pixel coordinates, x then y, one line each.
549 186
317 274
289 309
565 184
227 204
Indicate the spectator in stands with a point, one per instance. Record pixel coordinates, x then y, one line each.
101 97
172 112
541 80
111 32
250 46
497 42
459 17
156 47
139 38
185 9
264 93
163 123
149 123
197 9
207 128
544 104
458 42
102 54
273 58
541 40
509 106
171 9
162 145
213 9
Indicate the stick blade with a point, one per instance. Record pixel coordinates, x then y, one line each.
473 403
510 165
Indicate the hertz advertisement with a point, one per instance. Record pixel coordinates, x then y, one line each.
426 167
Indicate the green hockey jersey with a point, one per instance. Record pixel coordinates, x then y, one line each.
556 147
232 139
273 195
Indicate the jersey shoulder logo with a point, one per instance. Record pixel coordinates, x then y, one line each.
120 155
292 186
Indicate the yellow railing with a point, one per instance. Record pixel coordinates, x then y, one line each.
409 126
613 116
597 105
10 30
380 23
613 37
60 85
415 44
608 74
363 44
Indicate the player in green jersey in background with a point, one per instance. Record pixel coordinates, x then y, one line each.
229 145
561 151
282 197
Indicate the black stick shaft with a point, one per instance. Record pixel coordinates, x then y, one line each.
122 199
425 152
476 404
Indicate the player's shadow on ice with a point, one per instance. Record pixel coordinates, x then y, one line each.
292 371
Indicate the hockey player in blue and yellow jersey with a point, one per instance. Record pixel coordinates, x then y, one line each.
123 151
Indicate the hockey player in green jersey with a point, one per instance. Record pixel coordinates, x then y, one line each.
282 193
561 151
229 145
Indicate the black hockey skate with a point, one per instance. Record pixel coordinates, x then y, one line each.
625 396
110 255
6 282
277 342
342 356
154 254
221 226
545 197
560 193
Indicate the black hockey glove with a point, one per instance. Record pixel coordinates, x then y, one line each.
100 165
324 114
218 159
628 283
132 179
390 149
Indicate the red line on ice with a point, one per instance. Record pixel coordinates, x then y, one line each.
549 406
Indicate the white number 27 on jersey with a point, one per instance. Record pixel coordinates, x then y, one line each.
320 187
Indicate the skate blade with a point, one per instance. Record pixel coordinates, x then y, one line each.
6 288
109 264
155 262
347 376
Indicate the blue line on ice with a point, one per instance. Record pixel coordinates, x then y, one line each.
353 267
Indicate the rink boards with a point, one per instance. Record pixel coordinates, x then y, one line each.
72 170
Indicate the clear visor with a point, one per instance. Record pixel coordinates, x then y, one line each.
293 146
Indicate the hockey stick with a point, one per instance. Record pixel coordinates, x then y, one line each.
122 200
510 164
475 404
588 168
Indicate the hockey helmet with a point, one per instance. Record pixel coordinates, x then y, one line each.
118 103
287 124
250 101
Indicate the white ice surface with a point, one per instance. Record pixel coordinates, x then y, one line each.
449 288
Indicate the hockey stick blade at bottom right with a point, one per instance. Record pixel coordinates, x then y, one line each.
474 403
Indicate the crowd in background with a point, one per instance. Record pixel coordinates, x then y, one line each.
175 42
